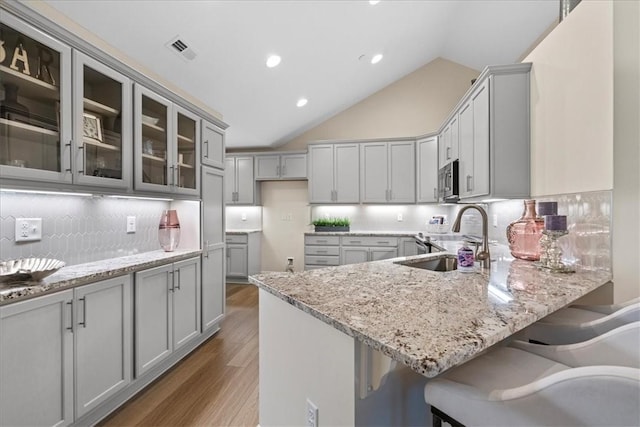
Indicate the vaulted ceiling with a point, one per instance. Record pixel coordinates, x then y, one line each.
325 45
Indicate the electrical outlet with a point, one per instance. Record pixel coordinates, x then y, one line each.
131 224
243 216
495 220
400 217
28 229
312 414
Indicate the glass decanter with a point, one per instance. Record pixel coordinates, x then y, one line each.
524 234
169 230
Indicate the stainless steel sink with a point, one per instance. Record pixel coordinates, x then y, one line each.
439 263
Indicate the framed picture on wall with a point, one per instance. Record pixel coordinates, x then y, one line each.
92 127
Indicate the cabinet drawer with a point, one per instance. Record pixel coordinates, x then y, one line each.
322 250
322 240
321 260
369 241
237 238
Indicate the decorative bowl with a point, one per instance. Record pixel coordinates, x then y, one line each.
150 120
28 269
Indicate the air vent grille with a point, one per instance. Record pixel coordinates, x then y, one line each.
179 46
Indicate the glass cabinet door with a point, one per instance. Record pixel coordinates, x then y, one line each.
102 130
35 107
153 148
187 161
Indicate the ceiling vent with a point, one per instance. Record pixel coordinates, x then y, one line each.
181 47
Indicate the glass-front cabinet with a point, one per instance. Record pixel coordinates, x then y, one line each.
102 124
166 139
35 104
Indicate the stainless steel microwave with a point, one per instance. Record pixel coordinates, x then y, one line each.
448 182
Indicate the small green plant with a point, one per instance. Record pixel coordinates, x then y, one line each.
331 222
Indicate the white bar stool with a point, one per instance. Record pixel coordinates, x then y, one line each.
593 383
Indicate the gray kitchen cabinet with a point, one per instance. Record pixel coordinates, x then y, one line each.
167 309
356 249
334 173
213 256
103 337
213 145
353 255
36 361
243 255
101 93
377 254
427 170
281 166
407 246
494 135
448 143
321 251
387 172
240 186
166 145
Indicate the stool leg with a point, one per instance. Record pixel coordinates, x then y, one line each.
438 417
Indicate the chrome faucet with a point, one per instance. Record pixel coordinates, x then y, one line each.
484 254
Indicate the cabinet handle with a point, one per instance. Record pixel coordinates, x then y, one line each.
321 252
469 183
389 198
335 195
70 328
176 282
277 170
321 241
176 180
384 243
236 195
435 193
170 281
284 170
84 312
321 261
70 155
83 159
206 249
448 153
206 144
171 175
355 241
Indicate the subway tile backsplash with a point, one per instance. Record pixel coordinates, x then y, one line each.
79 229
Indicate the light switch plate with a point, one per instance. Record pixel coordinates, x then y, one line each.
28 229
131 224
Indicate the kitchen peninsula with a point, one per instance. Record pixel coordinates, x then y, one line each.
429 321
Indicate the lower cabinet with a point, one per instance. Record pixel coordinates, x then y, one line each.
167 311
322 251
243 255
49 345
213 286
355 254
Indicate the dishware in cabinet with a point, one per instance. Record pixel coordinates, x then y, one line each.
35 104
102 125
166 141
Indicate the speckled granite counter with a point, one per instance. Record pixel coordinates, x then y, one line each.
428 320
82 274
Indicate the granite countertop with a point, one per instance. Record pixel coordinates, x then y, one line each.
243 231
82 274
430 321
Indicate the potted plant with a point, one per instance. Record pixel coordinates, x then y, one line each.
331 224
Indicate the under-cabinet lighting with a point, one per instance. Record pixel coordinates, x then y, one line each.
302 102
374 2
161 199
273 61
376 58
55 193
493 200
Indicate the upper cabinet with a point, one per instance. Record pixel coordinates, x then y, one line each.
427 170
448 143
240 185
494 135
334 173
281 166
167 141
102 124
387 172
35 110
212 145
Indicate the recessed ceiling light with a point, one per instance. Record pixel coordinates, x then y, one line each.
273 61
302 102
376 58
374 2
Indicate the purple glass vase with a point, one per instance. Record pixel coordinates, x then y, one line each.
169 230
525 233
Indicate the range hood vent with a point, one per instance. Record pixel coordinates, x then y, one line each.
179 46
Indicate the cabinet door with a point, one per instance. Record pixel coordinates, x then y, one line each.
212 145
152 316
376 254
321 173
213 286
212 206
35 116
444 144
36 361
102 98
267 167
186 301
230 180
103 341
347 173
480 179
407 247
465 164
237 261
353 255
402 172
293 166
374 183
152 146
454 140
185 168
427 170
245 183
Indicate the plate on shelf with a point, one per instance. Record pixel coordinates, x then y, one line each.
28 269
150 120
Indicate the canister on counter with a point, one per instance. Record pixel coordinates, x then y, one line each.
466 259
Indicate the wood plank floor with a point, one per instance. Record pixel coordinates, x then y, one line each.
216 385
